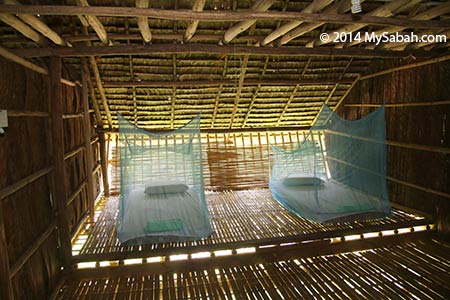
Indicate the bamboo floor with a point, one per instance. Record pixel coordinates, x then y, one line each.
410 270
240 219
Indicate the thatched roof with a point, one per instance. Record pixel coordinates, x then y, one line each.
243 64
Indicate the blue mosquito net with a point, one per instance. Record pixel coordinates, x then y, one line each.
162 198
337 173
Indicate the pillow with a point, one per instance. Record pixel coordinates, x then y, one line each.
167 187
302 180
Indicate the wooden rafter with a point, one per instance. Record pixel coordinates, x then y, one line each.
233 31
39 26
29 65
314 7
339 7
143 22
100 89
219 92
255 94
188 15
239 88
426 15
387 10
23 28
91 89
94 22
418 45
286 106
177 83
171 48
192 27
400 46
346 93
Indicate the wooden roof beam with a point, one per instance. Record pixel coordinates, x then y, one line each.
192 27
429 14
174 92
39 26
94 22
170 48
233 31
414 46
314 7
386 10
338 7
100 88
183 15
23 28
143 22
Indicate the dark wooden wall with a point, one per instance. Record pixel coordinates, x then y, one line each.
420 178
29 235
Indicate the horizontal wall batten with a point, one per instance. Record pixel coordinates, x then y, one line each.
7 191
73 116
74 152
408 66
94 140
77 191
223 16
445 150
27 113
32 249
409 104
96 168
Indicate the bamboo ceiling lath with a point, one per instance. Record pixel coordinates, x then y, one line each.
242 64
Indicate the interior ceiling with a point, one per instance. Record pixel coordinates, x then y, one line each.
251 64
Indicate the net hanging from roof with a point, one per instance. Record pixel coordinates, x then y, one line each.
162 197
338 173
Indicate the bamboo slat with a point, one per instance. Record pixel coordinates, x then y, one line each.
239 219
406 270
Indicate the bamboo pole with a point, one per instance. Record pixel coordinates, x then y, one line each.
86 71
89 163
20 262
6 288
59 182
23 28
29 65
406 67
9 190
192 27
143 22
73 152
409 104
104 163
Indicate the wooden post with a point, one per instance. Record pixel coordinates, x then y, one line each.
6 289
89 163
104 163
59 182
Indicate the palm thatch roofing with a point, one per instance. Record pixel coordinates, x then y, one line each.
242 64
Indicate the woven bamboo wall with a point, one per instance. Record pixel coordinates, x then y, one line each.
418 167
28 228
242 160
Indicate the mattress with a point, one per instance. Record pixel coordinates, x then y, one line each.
157 218
331 201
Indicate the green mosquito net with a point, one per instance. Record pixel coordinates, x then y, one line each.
162 198
337 173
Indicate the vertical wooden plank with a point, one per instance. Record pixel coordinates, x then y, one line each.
104 163
88 155
6 289
59 182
